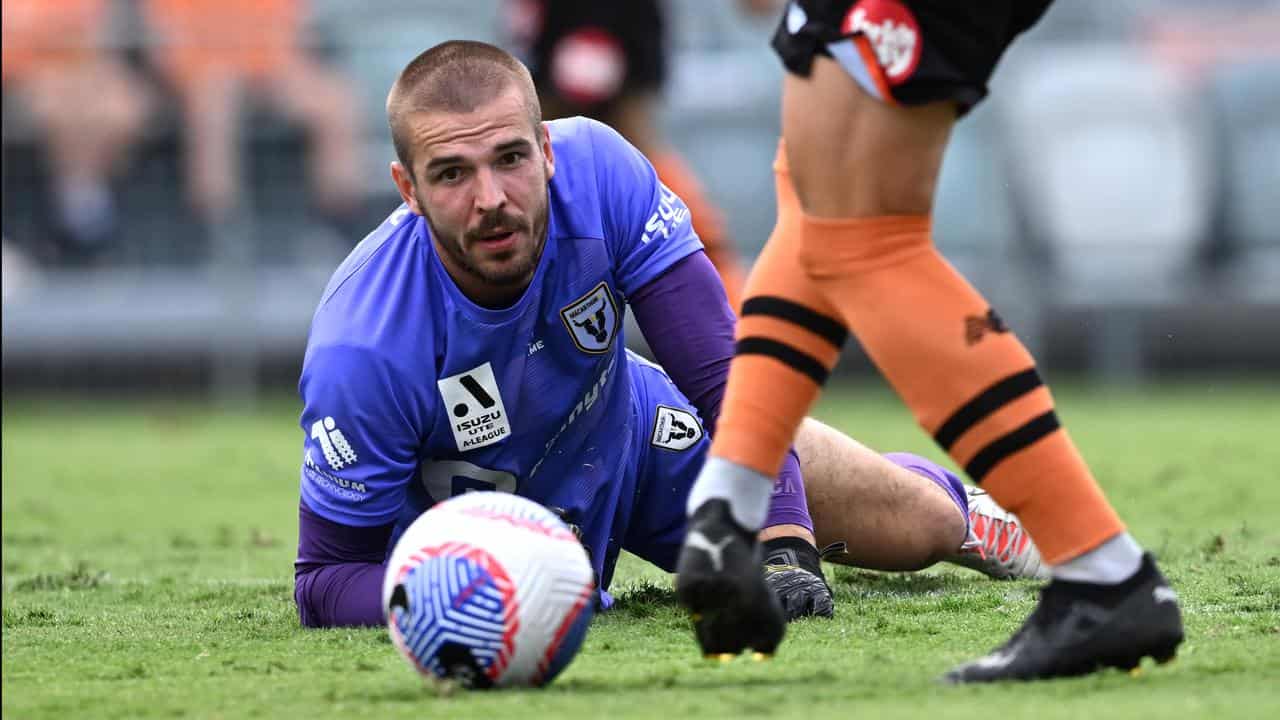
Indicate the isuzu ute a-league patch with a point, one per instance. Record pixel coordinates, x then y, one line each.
475 409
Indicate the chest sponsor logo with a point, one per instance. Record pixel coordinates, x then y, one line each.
474 404
675 429
592 320
444 479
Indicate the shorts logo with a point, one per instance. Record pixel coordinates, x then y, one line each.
893 32
588 66
675 429
592 320
796 18
474 403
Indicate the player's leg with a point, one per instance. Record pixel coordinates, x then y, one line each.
624 44
889 517
903 512
88 145
865 170
320 99
731 496
212 163
670 446
896 512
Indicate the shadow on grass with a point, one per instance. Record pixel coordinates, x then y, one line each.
700 679
643 599
868 581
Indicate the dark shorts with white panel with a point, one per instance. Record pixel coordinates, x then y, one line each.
907 52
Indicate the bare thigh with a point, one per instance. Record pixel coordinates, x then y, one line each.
890 517
852 155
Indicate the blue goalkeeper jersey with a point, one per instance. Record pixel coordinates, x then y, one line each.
413 393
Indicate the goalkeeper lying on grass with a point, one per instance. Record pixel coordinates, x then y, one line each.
474 340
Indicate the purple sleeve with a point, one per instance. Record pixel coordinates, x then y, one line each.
338 574
686 319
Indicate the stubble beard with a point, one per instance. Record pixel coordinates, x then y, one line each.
510 277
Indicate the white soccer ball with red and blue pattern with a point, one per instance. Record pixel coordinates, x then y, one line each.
489 589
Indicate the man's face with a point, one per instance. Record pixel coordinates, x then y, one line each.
480 180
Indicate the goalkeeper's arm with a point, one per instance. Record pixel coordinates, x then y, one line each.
338 574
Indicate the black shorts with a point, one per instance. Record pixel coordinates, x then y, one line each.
585 54
907 52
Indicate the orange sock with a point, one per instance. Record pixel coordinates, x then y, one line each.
788 341
968 380
707 221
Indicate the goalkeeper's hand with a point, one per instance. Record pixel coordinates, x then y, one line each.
793 571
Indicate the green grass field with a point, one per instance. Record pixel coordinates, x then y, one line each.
147 573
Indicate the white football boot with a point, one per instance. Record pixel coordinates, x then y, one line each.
997 546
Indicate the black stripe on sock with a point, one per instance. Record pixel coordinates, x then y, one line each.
793 358
825 327
987 402
1009 444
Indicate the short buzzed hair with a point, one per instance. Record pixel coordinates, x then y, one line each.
455 76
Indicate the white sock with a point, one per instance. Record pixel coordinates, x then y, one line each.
746 491
1112 562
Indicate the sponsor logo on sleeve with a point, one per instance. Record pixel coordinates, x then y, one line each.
675 429
474 404
592 320
669 216
333 484
337 451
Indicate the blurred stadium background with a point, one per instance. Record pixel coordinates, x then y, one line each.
1118 197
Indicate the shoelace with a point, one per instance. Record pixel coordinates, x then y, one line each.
993 527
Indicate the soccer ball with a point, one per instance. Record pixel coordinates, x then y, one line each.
489 589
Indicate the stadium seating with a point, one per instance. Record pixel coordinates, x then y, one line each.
1114 177
976 228
1087 188
1246 98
